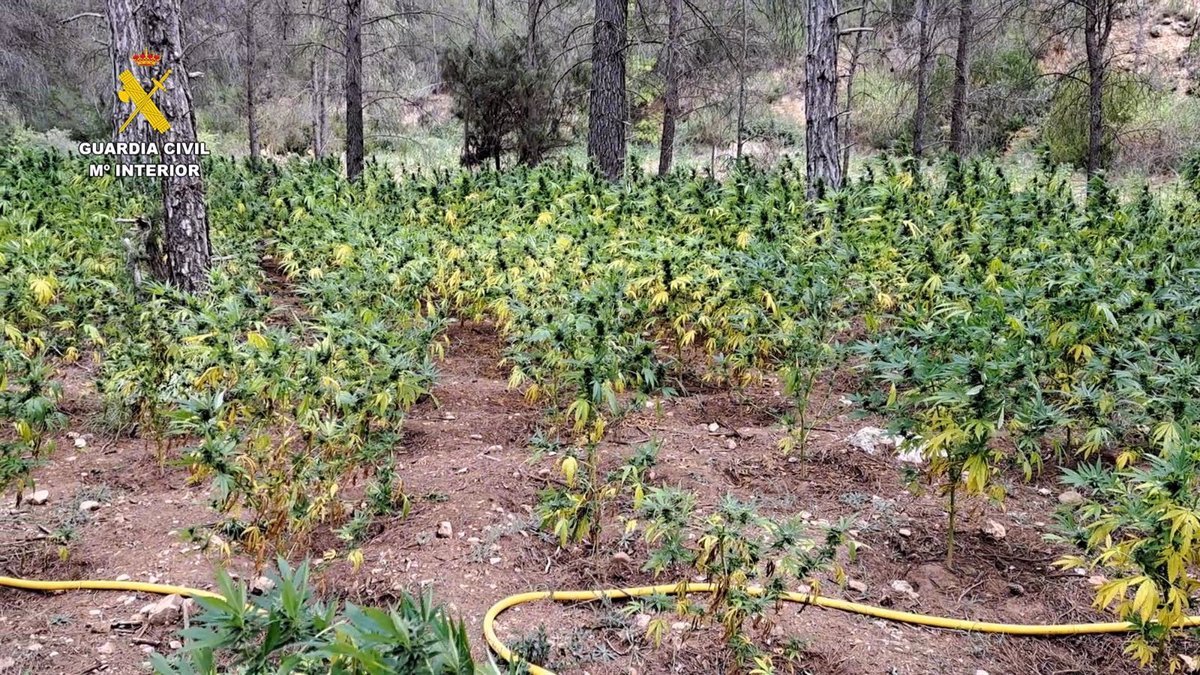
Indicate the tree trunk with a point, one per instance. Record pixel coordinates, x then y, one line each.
1095 37
855 52
248 43
924 65
962 74
185 231
666 146
823 169
354 90
607 107
320 85
741 103
532 10
125 40
534 132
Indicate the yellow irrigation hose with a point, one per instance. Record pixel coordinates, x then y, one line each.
489 619
104 585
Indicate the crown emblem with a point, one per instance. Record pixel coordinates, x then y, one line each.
146 59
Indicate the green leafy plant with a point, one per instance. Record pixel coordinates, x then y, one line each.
287 630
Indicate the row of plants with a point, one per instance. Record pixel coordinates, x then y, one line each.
997 321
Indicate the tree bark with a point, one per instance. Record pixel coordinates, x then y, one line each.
532 11
607 106
1096 28
962 74
185 232
924 65
354 90
125 40
320 85
855 52
741 103
535 130
666 146
248 45
820 98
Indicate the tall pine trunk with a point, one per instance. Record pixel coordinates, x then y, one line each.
666 146
125 40
741 102
962 74
320 85
354 90
185 219
855 53
1097 21
534 132
248 46
823 168
924 66
607 107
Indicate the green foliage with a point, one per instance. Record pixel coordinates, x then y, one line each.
29 399
749 558
1162 133
505 102
879 97
1066 125
287 630
575 510
995 323
1141 525
1008 93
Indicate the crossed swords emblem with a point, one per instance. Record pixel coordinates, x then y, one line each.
132 91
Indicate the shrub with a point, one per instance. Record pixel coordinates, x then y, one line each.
1007 94
1161 134
1066 126
1140 524
288 630
879 118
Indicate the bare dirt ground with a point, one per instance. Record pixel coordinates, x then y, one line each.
454 471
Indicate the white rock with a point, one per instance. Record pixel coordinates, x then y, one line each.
445 530
981 671
38 498
80 442
856 586
1045 492
641 621
89 505
994 530
909 452
123 577
713 427
106 648
904 532
869 439
493 448
262 585
902 586
166 611
730 444
477 437
1070 498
